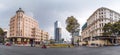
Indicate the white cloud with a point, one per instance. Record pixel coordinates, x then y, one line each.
65 34
2 7
50 30
30 14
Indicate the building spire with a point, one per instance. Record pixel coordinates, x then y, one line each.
19 10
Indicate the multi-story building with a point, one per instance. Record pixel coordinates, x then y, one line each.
57 31
25 29
40 35
6 34
92 29
6 31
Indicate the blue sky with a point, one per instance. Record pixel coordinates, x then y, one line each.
46 12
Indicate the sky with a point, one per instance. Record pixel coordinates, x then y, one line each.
46 12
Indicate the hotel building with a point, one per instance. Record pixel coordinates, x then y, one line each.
25 30
92 29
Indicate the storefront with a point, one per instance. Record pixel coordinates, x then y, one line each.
21 41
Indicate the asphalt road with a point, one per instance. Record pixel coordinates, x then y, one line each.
4 50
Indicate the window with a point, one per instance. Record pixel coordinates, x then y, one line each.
101 16
102 13
102 24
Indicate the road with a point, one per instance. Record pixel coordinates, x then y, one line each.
4 50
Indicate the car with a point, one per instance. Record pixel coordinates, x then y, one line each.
116 44
93 45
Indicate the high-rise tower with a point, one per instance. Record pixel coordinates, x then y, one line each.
57 31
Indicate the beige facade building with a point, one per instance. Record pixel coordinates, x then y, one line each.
92 29
7 34
25 29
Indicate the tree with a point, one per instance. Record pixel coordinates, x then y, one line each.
62 39
78 41
52 41
72 25
107 29
1 31
112 30
1 35
116 28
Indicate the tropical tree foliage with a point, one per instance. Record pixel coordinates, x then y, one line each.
107 29
1 31
52 41
72 24
116 28
112 29
1 35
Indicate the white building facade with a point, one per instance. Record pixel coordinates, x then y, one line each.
92 30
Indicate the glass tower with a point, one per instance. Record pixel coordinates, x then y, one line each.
57 31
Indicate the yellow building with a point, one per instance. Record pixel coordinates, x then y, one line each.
25 29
